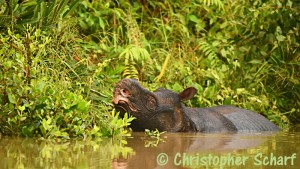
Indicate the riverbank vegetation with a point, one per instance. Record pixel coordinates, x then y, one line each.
59 60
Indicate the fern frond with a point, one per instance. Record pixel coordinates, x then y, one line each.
135 53
130 71
217 3
133 56
208 49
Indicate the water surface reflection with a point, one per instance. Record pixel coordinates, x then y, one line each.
172 150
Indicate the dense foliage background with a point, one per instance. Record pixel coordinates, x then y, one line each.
59 60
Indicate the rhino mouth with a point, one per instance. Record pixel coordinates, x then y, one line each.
123 104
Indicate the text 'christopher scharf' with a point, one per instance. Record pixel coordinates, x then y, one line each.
259 159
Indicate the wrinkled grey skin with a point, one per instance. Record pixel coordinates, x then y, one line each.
163 109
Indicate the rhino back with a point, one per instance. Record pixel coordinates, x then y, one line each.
205 120
245 120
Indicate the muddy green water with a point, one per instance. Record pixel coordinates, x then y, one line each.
172 150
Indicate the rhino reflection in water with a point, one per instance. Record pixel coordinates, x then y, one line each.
191 144
163 110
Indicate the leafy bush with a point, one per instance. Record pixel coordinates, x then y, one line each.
38 94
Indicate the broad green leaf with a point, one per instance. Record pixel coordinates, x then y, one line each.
193 18
12 98
21 108
280 38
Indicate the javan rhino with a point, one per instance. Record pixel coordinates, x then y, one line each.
163 110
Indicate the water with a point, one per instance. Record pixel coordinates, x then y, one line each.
171 150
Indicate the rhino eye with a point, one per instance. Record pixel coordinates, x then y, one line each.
125 92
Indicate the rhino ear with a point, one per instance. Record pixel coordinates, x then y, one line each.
187 93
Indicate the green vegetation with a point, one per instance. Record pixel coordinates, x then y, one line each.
153 138
59 60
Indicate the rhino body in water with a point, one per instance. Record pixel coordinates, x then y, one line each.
163 110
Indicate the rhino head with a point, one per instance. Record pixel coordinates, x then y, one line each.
161 109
